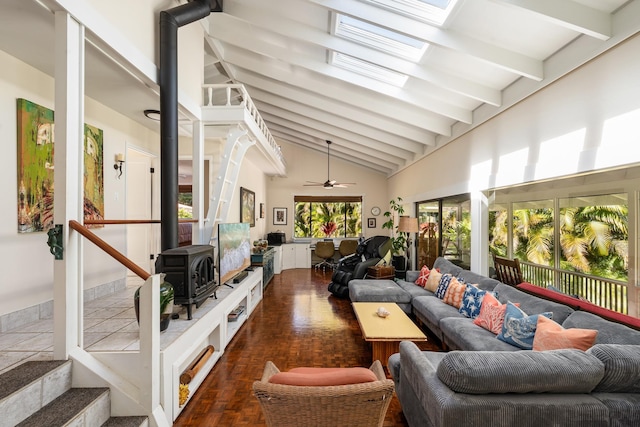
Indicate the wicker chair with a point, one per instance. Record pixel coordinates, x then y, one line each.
351 405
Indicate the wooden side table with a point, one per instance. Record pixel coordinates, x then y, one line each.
381 272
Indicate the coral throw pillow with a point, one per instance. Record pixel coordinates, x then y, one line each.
323 376
455 292
552 336
519 328
491 314
433 281
423 277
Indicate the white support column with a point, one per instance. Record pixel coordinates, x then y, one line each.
198 179
68 181
479 233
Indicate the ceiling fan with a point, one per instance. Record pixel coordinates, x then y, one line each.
329 183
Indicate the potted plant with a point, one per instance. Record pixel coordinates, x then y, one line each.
399 240
166 304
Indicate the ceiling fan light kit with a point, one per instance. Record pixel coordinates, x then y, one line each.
329 183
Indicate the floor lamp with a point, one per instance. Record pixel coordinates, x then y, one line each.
408 225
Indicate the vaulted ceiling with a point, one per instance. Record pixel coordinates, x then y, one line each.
387 81
383 79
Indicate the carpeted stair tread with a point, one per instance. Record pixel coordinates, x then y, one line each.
124 422
23 375
64 408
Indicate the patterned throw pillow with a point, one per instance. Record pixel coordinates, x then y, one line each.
472 301
491 314
423 277
433 281
518 328
455 291
552 336
445 280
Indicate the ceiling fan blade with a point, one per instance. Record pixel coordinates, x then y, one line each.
316 184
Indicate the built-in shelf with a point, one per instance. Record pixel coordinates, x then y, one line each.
183 341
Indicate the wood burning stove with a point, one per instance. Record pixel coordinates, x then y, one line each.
191 271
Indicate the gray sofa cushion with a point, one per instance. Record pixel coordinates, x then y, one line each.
446 266
411 275
608 332
365 290
555 371
483 282
412 289
621 367
463 334
531 304
624 408
431 310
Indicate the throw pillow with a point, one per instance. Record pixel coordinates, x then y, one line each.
433 280
519 328
491 314
445 280
455 291
552 336
472 301
323 376
423 277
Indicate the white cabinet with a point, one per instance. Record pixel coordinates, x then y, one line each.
277 259
303 255
288 256
296 255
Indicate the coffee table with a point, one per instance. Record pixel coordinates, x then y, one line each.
385 333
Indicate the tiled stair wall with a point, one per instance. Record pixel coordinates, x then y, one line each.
39 393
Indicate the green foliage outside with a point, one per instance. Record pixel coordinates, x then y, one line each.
592 239
327 220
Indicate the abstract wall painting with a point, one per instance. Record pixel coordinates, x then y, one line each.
36 137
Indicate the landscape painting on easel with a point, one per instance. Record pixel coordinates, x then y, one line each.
36 136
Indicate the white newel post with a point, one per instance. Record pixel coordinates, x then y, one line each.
68 180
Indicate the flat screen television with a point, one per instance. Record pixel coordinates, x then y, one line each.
234 250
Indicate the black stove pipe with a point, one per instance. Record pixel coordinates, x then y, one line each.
170 21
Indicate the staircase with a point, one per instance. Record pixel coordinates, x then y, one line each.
39 393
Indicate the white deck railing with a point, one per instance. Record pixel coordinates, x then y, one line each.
230 95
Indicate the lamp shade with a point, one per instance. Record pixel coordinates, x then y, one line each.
408 225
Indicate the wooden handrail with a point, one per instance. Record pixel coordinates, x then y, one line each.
132 221
110 250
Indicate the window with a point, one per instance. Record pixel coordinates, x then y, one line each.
327 217
445 230
533 237
594 235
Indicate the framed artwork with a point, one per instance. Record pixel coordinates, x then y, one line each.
248 206
261 210
36 133
279 216
371 223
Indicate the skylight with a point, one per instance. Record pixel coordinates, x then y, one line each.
432 11
368 69
379 38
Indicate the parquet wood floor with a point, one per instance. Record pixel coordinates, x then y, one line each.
298 323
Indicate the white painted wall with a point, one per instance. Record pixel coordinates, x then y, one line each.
25 258
586 121
304 165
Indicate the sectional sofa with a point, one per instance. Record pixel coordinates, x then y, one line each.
486 381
